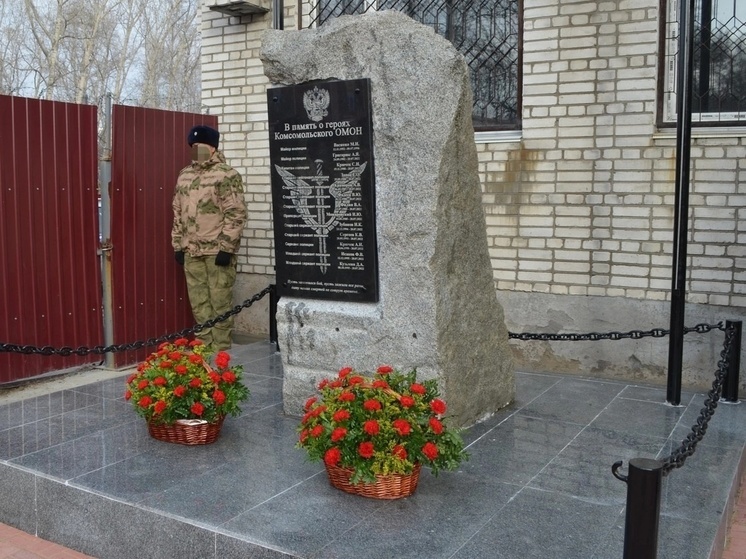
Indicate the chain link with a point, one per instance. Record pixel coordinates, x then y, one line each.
100 349
689 444
594 336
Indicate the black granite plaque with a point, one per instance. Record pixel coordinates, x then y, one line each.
321 160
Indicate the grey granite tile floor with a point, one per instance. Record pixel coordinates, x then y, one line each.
77 467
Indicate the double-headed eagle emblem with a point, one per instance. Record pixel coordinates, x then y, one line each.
316 103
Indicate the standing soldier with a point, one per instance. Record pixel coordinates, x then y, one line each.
209 215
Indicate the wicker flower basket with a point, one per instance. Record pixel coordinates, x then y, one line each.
187 431
392 486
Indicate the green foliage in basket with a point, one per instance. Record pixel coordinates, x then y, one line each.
179 382
379 424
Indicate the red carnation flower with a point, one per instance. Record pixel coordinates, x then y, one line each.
406 401
179 391
143 384
196 382
303 435
214 377
229 377
438 406
371 427
197 408
402 426
317 431
144 402
219 397
341 415
174 355
166 365
141 366
372 405
318 410
222 359
417 388
400 452
436 426
163 346
195 343
181 342
430 450
332 456
344 372
127 394
181 369
366 449
355 380
160 381
346 396
384 369
380 384
335 384
338 434
323 383
196 359
160 407
131 378
310 402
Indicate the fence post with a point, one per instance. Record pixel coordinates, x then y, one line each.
730 390
644 482
273 315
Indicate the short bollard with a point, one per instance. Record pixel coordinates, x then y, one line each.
730 389
644 481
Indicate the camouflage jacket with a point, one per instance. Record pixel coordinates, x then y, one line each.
209 208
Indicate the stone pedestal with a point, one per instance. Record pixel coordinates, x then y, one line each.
438 310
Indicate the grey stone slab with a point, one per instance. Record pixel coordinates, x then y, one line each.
265 391
18 498
110 529
530 385
80 456
43 407
677 539
518 449
583 468
726 427
229 547
252 473
442 515
572 400
304 518
541 524
656 419
110 389
652 394
699 490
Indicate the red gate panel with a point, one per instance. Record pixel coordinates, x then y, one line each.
50 278
149 296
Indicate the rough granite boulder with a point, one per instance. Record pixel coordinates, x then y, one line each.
438 310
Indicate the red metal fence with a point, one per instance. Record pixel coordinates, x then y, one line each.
148 293
50 281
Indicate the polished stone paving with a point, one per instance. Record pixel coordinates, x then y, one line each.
77 467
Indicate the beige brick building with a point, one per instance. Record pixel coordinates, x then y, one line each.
578 197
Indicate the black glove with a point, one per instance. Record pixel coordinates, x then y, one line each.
179 256
223 258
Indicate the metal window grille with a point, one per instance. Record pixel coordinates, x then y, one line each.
486 32
719 62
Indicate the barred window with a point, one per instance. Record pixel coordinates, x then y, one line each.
719 63
486 32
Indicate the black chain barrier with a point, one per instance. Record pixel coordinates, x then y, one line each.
100 350
632 334
689 444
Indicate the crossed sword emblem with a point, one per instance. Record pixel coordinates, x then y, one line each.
310 202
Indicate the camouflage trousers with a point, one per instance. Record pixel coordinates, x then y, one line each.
210 289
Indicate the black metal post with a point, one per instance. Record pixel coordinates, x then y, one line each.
681 215
730 389
278 14
644 482
273 316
